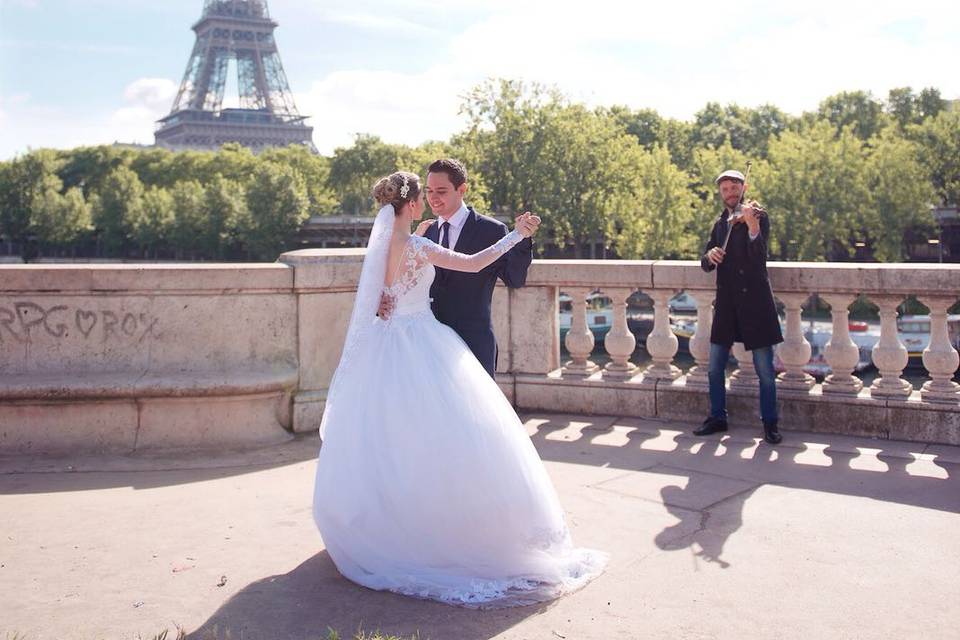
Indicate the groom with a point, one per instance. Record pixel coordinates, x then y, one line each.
461 300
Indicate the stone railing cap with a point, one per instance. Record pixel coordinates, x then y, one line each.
145 277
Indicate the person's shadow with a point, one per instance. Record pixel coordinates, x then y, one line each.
704 530
314 597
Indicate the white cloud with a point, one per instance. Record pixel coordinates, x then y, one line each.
399 107
154 93
148 99
674 57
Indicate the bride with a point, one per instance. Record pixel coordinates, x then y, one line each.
427 483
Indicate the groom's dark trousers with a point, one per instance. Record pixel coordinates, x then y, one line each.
462 300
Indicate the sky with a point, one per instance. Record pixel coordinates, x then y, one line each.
76 72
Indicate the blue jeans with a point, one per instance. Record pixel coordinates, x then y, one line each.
762 363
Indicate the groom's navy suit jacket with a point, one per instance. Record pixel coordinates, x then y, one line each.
462 300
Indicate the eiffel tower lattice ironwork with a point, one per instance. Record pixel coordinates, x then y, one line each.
240 31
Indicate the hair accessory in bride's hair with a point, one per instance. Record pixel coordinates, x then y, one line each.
405 189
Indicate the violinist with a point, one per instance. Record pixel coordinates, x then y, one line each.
744 309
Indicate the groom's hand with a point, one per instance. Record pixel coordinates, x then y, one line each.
527 224
387 305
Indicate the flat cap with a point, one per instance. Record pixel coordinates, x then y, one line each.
730 174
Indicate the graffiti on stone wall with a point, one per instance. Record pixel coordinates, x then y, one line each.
24 322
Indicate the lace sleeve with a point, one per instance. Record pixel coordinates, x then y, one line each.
447 259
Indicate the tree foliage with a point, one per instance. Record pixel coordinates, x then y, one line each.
858 172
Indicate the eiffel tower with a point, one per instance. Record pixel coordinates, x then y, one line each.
242 31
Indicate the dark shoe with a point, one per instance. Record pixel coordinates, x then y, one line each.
771 434
711 425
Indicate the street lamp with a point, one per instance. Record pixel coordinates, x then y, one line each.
939 244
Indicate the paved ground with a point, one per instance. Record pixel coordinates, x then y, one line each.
822 537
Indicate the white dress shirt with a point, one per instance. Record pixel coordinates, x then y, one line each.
456 222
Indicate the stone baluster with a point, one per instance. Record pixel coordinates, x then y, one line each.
889 354
841 352
940 358
795 350
579 340
661 343
745 376
619 342
700 341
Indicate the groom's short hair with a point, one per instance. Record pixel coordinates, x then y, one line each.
453 168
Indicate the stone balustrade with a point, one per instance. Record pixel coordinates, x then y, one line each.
889 408
131 357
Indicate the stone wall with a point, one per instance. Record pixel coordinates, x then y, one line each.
125 358
130 357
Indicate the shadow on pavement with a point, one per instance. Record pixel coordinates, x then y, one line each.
313 597
717 475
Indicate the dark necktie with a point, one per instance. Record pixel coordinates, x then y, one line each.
445 235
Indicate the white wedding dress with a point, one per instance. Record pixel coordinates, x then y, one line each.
427 483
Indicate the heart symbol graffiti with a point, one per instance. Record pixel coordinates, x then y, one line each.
86 320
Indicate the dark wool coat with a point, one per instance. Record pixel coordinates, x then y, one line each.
744 310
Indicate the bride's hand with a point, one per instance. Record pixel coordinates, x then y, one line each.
422 227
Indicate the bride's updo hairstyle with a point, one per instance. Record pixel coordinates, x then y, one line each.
397 189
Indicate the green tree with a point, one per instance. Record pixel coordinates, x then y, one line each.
646 125
712 126
153 166
902 106
191 231
939 147
61 219
815 188
118 203
225 211
657 220
314 171
589 169
28 188
153 225
201 166
233 162
856 109
766 121
507 140
650 129
354 170
900 196
88 167
677 136
930 103
277 204
745 129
